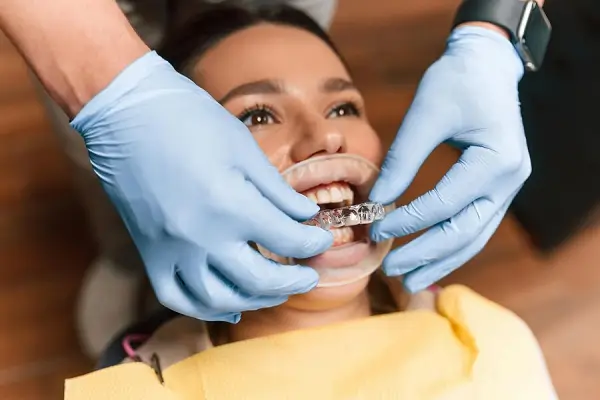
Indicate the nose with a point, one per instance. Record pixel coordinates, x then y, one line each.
318 136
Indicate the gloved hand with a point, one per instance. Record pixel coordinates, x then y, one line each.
193 188
469 99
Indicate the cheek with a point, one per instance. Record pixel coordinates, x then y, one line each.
276 147
363 141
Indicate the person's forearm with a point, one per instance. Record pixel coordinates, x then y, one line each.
495 27
75 47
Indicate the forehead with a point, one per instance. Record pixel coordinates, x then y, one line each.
267 51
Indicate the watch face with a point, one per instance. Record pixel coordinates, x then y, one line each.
536 37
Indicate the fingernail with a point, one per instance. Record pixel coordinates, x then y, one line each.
375 194
229 318
308 279
310 287
314 208
381 237
414 287
376 234
397 271
321 241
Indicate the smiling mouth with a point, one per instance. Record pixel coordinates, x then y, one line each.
332 182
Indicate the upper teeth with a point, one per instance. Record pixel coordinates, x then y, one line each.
336 192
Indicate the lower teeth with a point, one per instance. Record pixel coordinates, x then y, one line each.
358 214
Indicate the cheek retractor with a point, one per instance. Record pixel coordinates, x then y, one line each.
357 214
360 175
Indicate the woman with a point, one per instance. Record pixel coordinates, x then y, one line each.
310 121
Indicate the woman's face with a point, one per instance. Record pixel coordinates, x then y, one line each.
297 99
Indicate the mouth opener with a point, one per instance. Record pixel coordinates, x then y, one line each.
357 214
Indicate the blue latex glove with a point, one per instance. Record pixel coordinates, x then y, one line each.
193 188
468 99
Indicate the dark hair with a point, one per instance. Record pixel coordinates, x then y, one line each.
187 41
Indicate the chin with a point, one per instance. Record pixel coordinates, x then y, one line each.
328 298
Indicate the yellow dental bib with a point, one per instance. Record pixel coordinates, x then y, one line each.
471 349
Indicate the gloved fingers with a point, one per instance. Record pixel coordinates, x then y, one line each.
278 233
173 296
426 275
273 187
442 240
465 182
419 134
181 302
256 275
214 291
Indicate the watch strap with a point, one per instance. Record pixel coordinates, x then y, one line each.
506 14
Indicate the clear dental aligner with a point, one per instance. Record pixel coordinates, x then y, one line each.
358 214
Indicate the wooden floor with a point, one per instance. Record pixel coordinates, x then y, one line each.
45 246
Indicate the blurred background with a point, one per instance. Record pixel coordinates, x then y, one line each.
542 263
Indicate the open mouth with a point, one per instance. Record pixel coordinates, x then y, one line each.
332 182
336 195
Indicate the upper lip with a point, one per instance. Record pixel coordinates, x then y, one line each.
322 170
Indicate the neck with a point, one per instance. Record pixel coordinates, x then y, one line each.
285 318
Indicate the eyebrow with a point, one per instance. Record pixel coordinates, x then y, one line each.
333 85
268 86
258 87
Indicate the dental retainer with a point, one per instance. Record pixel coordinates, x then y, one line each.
360 174
356 214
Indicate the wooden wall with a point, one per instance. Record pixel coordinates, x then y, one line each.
44 245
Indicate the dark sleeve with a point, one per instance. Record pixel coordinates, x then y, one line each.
561 114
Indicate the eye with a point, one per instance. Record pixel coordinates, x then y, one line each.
344 110
258 115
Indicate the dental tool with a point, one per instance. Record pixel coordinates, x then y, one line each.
357 214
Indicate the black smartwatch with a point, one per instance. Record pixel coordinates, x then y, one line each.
526 23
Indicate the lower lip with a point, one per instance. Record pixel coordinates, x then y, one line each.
340 256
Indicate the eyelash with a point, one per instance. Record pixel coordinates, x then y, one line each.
255 110
356 111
